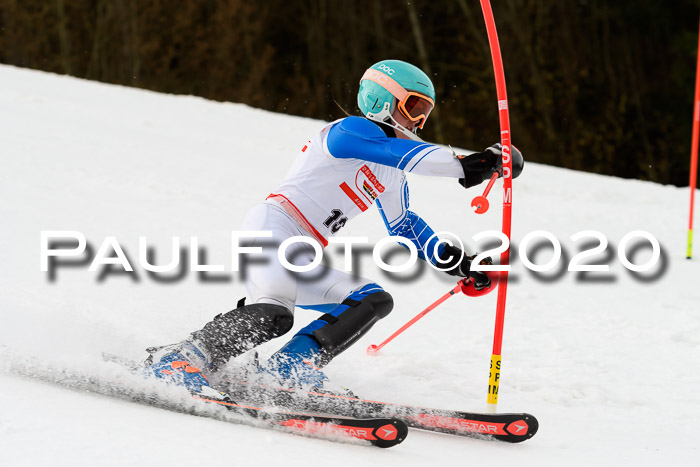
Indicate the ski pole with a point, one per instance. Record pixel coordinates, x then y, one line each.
466 286
372 349
480 203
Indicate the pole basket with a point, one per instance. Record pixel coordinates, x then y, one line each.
468 285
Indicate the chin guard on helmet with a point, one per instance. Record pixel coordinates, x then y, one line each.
385 116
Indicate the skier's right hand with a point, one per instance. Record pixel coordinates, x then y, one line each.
457 263
479 166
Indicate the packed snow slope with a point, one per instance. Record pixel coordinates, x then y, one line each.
607 361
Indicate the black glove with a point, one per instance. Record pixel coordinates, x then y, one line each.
518 161
481 165
457 263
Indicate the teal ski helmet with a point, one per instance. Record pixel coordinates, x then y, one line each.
379 94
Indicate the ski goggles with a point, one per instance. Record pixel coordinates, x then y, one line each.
413 105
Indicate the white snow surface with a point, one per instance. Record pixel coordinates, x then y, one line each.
610 368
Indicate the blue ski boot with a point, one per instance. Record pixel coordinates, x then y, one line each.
298 363
180 364
296 366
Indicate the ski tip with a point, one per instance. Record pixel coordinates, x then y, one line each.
390 434
521 429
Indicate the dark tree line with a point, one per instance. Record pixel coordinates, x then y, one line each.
602 86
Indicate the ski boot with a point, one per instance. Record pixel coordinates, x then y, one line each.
298 363
295 367
181 364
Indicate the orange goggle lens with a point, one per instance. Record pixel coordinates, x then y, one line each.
416 107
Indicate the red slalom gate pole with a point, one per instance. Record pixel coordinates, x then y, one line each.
372 349
694 154
504 120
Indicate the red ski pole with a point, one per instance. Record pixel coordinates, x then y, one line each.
466 286
480 203
372 349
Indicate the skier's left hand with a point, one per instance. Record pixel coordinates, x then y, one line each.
457 263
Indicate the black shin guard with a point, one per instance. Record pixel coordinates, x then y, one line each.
348 327
237 331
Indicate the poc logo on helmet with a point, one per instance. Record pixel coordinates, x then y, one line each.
389 71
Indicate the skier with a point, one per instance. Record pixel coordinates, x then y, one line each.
351 164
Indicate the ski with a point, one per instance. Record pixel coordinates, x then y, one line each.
382 432
508 427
